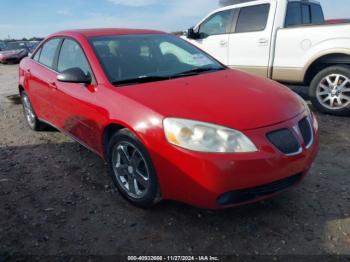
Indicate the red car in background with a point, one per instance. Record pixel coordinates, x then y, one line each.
337 21
14 52
171 121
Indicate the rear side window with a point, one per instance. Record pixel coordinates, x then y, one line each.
48 52
253 18
293 16
216 24
72 56
303 14
305 11
317 14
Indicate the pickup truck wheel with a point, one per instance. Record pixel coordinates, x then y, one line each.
132 170
29 113
330 90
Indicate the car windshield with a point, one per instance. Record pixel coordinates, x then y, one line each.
132 59
15 46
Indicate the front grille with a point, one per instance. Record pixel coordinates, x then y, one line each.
306 131
285 141
240 196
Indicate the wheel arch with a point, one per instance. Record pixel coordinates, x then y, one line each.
110 129
323 61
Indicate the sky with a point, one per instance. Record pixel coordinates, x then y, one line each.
28 18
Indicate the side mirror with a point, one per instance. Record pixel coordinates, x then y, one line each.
74 75
191 34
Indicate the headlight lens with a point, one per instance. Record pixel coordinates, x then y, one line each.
204 137
307 108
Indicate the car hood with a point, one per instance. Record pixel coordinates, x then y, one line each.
230 98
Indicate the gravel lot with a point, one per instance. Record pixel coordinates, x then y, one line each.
56 198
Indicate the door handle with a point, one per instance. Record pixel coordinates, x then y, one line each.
263 41
53 85
223 42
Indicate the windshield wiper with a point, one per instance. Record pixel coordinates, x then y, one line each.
141 79
197 71
154 78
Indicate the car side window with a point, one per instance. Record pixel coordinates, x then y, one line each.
253 18
305 11
72 56
37 55
293 16
317 16
304 14
48 51
216 24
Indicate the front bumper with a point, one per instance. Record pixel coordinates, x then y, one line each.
206 180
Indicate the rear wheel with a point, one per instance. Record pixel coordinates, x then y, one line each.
330 90
132 170
30 115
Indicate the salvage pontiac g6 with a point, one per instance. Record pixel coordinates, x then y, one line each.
171 121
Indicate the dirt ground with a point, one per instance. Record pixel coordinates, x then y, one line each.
56 198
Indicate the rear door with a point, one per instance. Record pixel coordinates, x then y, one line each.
249 43
41 79
214 35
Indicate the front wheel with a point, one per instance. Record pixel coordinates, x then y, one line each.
330 90
132 170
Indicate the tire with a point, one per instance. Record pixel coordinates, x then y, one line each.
128 162
332 96
29 113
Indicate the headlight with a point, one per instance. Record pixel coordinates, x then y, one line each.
204 137
302 100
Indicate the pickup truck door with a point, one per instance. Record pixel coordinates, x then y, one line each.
249 44
213 35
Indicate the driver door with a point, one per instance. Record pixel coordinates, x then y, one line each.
213 35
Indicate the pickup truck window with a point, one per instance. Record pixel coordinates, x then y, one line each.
293 16
317 16
252 18
217 24
305 10
299 14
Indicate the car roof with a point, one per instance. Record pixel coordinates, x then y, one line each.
240 4
108 32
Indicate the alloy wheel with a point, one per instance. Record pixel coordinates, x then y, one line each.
131 170
333 91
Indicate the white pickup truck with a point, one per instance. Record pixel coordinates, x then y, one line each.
285 40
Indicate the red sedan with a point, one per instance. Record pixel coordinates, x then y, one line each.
171 121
